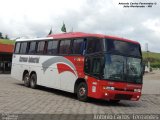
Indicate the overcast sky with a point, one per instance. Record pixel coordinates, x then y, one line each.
34 18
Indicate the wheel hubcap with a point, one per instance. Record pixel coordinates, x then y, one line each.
82 91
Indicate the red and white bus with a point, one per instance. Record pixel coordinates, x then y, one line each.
90 65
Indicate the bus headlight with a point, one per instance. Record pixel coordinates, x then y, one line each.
137 90
108 88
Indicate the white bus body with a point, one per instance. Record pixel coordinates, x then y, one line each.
45 67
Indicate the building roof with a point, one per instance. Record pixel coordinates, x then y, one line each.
6 48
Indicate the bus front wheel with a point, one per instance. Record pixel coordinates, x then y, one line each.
26 80
33 81
82 91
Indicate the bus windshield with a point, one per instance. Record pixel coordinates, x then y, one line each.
121 68
121 47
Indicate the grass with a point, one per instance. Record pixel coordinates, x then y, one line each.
6 41
151 55
154 58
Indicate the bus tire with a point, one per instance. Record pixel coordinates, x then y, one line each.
82 92
26 80
33 81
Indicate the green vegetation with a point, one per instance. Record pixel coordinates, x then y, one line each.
154 59
151 54
6 41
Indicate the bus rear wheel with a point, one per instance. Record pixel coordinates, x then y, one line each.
26 80
82 91
33 81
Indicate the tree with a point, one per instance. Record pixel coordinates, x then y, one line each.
6 37
50 32
1 36
63 29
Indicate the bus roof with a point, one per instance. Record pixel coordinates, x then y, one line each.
46 38
82 35
78 35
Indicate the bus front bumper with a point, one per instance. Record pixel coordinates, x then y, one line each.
120 95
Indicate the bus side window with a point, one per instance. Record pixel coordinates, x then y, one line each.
17 47
64 47
78 46
110 45
96 65
32 48
94 45
23 48
52 47
40 47
87 66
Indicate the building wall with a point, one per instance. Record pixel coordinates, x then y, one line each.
5 62
5 48
6 57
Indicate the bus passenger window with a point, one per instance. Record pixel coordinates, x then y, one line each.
78 46
94 45
52 47
17 48
32 48
23 48
40 48
65 47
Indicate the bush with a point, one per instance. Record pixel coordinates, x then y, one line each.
155 65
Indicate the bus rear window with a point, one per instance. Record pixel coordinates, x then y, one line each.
116 46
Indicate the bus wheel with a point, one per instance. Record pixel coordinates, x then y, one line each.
33 81
26 80
114 101
82 92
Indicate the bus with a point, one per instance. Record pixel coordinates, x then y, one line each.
89 65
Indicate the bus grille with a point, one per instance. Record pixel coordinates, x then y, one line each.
123 97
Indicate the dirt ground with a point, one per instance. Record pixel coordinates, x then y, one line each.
154 75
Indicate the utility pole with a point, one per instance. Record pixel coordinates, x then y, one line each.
148 63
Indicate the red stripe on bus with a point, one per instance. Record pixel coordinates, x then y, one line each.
63 67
